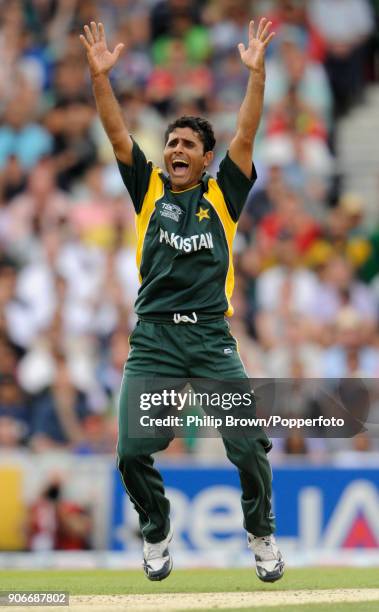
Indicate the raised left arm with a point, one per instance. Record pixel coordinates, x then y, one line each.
241 147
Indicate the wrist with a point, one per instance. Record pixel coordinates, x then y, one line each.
257 78
258 73
98 77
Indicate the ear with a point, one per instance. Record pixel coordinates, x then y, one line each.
208 158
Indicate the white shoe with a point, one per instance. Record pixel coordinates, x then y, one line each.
157 561
268 558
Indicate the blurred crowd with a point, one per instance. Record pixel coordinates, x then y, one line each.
307 266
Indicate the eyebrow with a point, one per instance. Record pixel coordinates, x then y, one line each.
185 140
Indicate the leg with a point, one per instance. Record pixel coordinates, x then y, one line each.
143 483
150 356
249 456
248 453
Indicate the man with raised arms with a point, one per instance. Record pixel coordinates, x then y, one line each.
186 221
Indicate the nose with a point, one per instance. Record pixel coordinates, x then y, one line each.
179 147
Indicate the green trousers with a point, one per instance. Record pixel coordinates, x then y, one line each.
165 349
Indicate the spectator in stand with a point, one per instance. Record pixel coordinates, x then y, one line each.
15 415
369 271
75 526
68 86
35 299
58 413
145 124
343 232
42 521
92 217
165 11
40 207
13 180
58 524
228 22
20 134
15 312
291 70
288 218
12 23
74 150
38 367
294 13
230 83
111 367
295 444
135 65
194 37
49 20
284 291
99 435
177 74
11 434
350 354
346 26
298 129
250 350
262 201
339 290
296 354
8 357
361 450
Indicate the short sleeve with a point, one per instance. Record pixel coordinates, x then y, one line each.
137 176
234 185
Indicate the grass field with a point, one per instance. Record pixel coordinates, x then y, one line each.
235 589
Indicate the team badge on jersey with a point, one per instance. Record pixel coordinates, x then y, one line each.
171 211
203 213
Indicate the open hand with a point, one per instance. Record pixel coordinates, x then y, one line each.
101 60
253 55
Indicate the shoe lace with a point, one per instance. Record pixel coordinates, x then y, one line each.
264 547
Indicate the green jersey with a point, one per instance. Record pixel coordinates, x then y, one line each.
185 238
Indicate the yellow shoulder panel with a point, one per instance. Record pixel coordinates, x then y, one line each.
154 193
216 199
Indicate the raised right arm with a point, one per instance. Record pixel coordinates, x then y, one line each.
101 61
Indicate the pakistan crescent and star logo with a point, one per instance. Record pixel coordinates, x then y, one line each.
203 213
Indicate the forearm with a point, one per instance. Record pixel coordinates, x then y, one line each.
110 114
250 112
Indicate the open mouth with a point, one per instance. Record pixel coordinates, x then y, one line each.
180 167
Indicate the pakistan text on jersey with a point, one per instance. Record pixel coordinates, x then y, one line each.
189 244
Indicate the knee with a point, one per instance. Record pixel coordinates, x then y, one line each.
247 454
127 457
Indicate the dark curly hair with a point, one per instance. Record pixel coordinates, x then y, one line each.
197 124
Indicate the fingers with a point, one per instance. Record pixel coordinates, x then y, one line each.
117 50
269 39
265 31
260 27
94 31
89 36
241 48
84 42
251 29
101 32
93 34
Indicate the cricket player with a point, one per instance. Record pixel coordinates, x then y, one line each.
186 221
